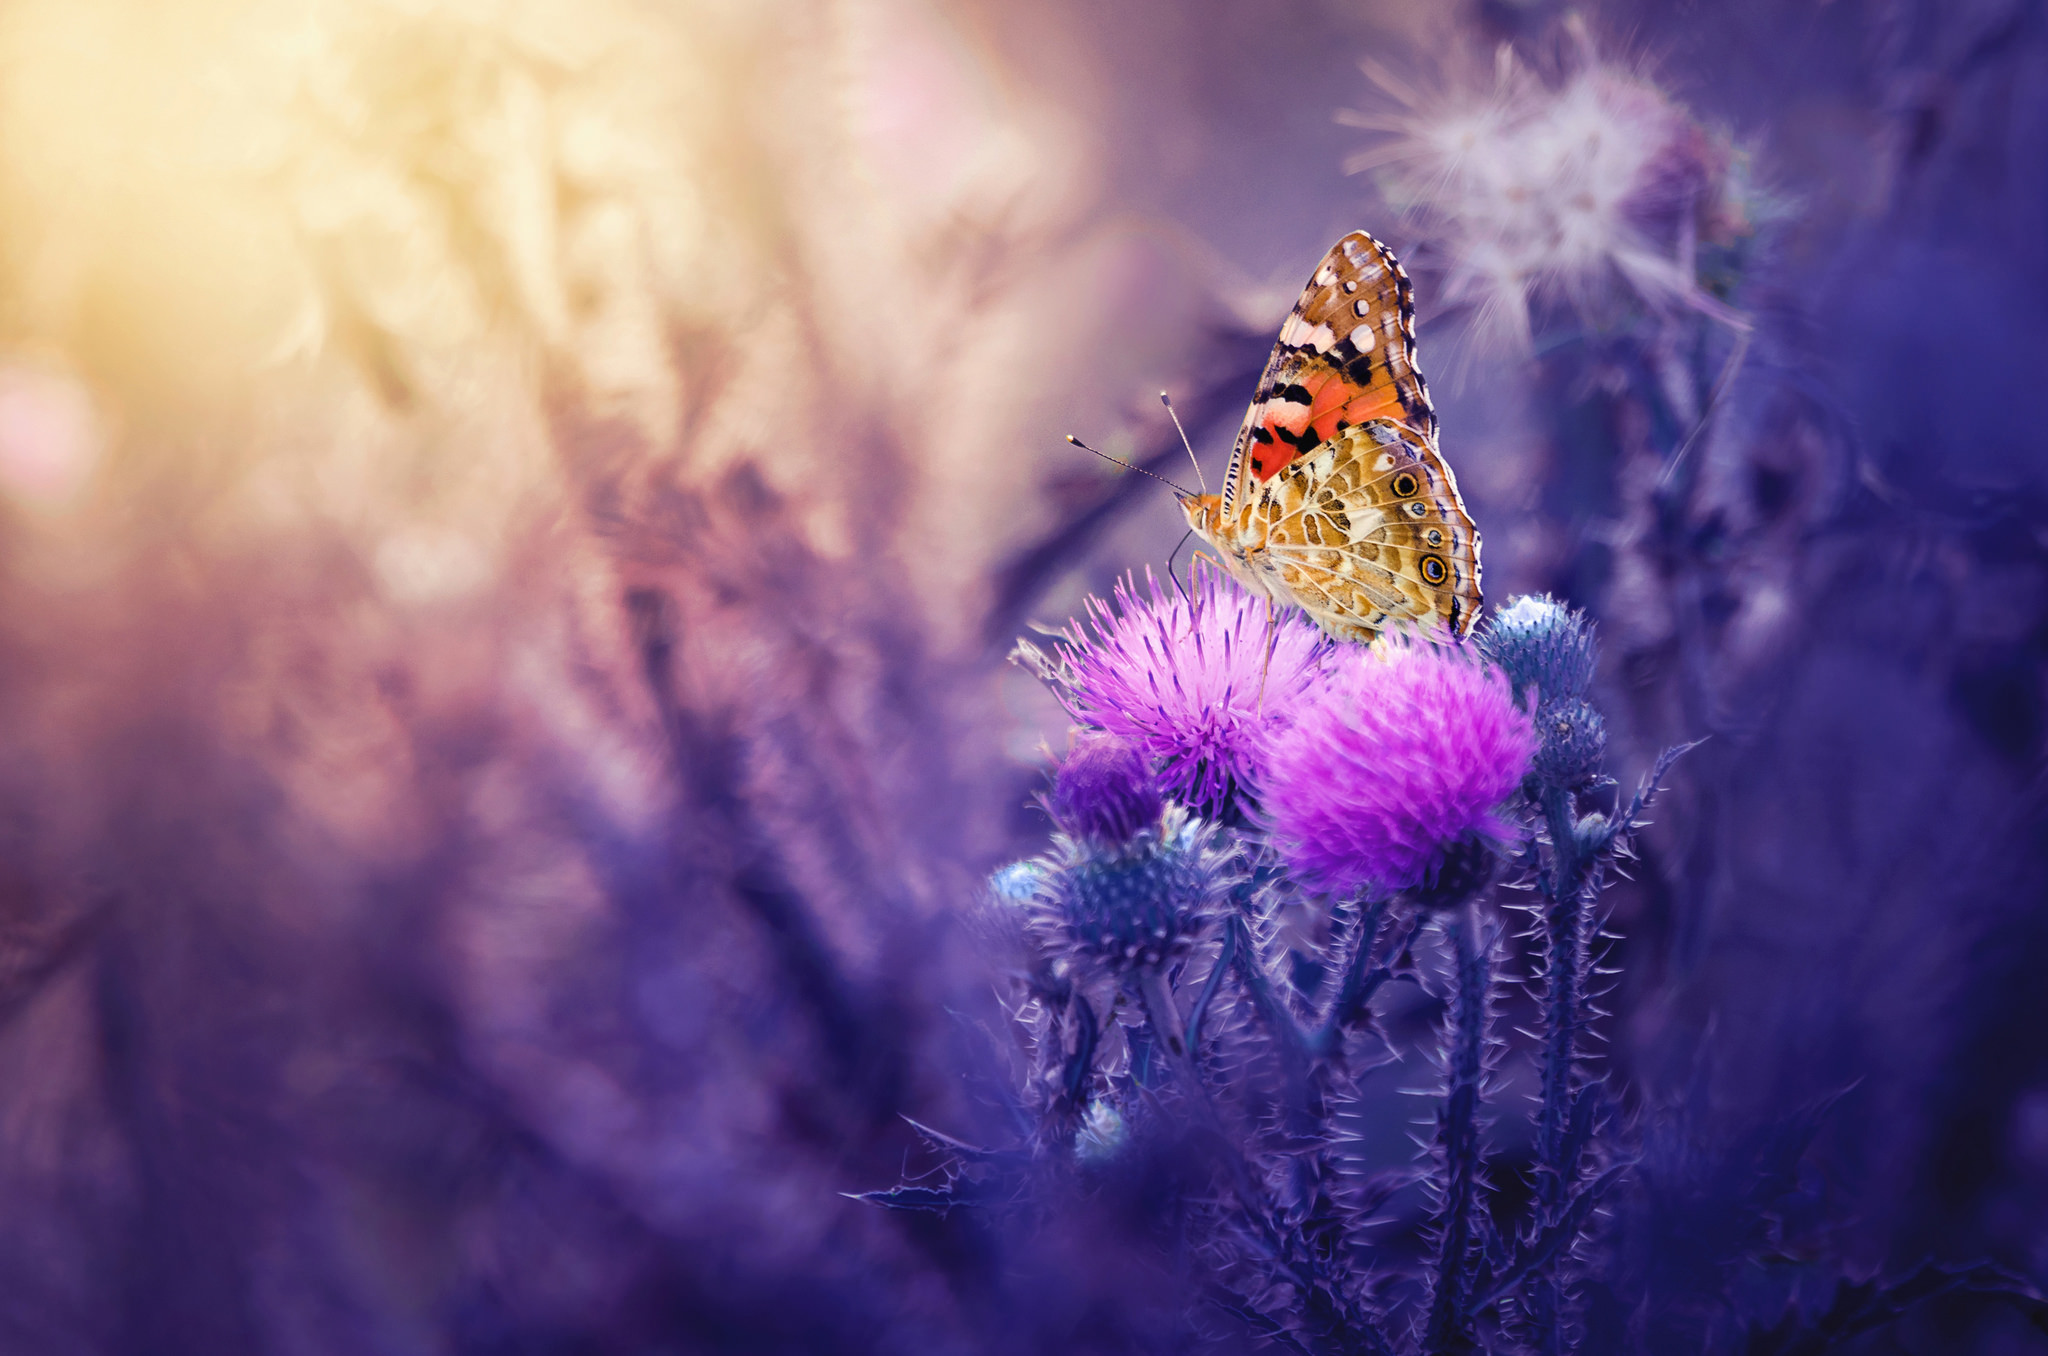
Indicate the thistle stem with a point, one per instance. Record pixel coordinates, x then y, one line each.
1320 1295
1564 985
1287 1033
1361 978
1161 1012
1566 918
1449 1325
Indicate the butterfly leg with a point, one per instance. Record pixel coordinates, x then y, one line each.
1272 644
1169 565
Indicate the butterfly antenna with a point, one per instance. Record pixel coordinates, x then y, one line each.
1128 466
1174 414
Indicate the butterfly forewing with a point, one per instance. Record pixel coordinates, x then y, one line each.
1344 356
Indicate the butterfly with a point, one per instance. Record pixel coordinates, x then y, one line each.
1336 499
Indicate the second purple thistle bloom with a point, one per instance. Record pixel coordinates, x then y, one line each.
1408 751
1199 683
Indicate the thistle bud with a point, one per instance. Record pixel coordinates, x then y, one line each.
1574 741
1102 1136
1542 646
1593 834
1137 903
1017 883
1104 791
1129 909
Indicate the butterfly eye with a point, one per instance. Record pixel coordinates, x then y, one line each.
1432 570
1405 485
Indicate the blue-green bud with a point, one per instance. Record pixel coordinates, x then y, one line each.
1102 1136
1129 909
1574 739
1017 883
1542 646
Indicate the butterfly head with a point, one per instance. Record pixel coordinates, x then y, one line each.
1205 516
1205 513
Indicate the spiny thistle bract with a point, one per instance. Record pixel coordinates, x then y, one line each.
1574 736
1199 682
1017 883
1406 751
1133 904
1461 869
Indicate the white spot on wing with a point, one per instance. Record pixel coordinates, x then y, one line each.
1298 333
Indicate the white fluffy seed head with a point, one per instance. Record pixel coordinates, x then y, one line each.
1571 189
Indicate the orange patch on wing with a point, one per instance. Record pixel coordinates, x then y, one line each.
1333 400
1269 459
1337 399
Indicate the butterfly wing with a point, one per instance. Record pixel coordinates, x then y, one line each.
1345 355
1368 531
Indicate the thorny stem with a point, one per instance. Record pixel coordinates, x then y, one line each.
1363 973
1565 919
1362 978
1161 1013
1449 1326
1564 1122
1209 988
1081 1064
1319 1293
1287 1033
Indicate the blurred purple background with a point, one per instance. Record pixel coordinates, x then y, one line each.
513 516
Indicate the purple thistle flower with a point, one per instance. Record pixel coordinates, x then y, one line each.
1105 790
1409 750
1187 681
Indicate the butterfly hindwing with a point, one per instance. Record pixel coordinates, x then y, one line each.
1369 530
1345 355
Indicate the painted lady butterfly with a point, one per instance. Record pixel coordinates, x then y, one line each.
1336 499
